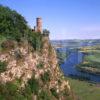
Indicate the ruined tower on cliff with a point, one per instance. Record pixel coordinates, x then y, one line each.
38 28
39 24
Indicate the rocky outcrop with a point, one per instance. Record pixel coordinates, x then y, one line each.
23 63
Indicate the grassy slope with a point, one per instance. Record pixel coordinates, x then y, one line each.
85 90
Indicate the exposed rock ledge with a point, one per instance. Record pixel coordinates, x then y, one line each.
22 64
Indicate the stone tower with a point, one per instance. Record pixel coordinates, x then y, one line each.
39 24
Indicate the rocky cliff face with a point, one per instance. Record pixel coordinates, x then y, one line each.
23 63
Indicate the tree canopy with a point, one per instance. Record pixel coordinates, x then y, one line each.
11 23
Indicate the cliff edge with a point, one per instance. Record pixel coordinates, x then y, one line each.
28 64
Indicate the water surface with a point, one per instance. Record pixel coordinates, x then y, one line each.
68 67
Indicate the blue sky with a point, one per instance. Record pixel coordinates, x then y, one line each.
66 19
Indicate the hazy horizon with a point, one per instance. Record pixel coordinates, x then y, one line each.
71 39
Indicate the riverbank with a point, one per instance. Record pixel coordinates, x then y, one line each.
89 70
82 83
91 60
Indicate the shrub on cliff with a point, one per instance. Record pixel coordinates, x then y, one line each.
44 95
34 85
45 77
35 39
3 66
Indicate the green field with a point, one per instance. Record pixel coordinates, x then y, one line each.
84 90
94 56
91 61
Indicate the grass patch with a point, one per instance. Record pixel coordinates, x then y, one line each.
95 57
85 90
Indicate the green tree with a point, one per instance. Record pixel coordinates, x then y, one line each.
12 24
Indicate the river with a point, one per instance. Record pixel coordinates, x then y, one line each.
68 67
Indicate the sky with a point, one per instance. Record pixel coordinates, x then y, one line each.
65 19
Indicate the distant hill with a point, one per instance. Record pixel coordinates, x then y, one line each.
75 43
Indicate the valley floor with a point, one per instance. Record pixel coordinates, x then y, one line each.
85 90
91 62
